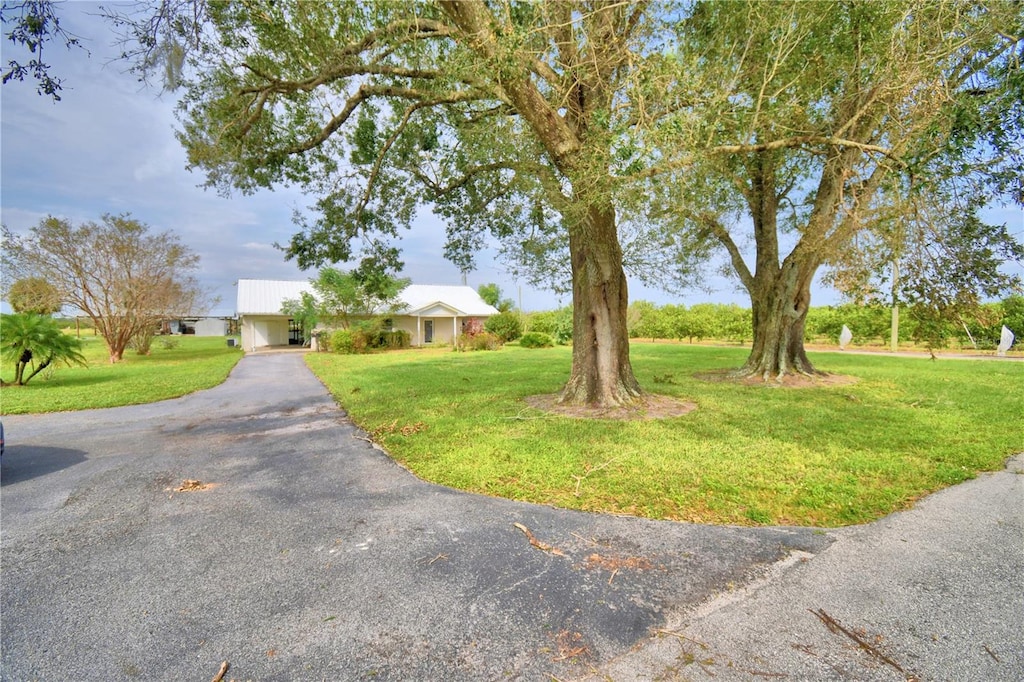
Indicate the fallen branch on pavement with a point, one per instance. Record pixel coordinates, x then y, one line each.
543 546
220 674
837 628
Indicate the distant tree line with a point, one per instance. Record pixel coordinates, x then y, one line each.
870 324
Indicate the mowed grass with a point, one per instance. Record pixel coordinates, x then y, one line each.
195 363
749 455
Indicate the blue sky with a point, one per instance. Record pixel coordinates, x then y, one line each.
109 147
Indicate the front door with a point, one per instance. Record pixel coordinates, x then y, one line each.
428 331
295 336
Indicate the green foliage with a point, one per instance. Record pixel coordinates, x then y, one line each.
392 340
305 311
196 363
506 326
363 336
367 291
536 340
1013 315
866 322
31 26
348 341
142 341
644 321
35 342
936 118
480 341
701 321
491 294
555 323
34 295
954 262
473 337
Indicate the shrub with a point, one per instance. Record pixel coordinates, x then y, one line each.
555 323
472 326
341 341
536 340
505 326
481 341
348 341
398 338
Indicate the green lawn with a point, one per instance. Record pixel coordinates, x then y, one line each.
193 364
823 456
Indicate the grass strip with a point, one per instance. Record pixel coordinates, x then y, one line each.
749 455
175 367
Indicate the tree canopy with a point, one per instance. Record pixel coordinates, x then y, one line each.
124 277
341 297
492 295
585 128
505 117
832 113
34 295
31 25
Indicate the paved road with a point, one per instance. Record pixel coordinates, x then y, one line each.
314 557
933 593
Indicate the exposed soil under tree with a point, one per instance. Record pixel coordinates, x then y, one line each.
649 406
816 380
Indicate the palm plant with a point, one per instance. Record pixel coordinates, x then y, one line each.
34 342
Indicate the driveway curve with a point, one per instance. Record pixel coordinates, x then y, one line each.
306 553
300 551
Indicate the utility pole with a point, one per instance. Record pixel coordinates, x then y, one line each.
894 329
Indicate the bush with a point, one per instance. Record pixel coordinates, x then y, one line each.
555 323
505 326
536 340
398 338
348 341
481 341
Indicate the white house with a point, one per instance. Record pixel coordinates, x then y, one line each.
430 313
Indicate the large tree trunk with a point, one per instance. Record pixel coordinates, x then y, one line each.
601 373
779 309
780 294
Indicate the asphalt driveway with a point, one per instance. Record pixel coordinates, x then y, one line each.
313 555
306 553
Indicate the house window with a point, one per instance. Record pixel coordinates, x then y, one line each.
428 331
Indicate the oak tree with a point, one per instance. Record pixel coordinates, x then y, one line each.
487 111
828 110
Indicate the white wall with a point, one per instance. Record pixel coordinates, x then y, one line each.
211 326
264 331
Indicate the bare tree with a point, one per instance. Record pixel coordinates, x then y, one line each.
123 277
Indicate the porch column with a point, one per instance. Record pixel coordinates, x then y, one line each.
418 328
455 330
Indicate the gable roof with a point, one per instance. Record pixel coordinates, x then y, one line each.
266 296
461 299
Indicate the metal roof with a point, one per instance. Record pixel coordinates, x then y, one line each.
266 296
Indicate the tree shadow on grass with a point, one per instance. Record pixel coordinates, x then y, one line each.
24 462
